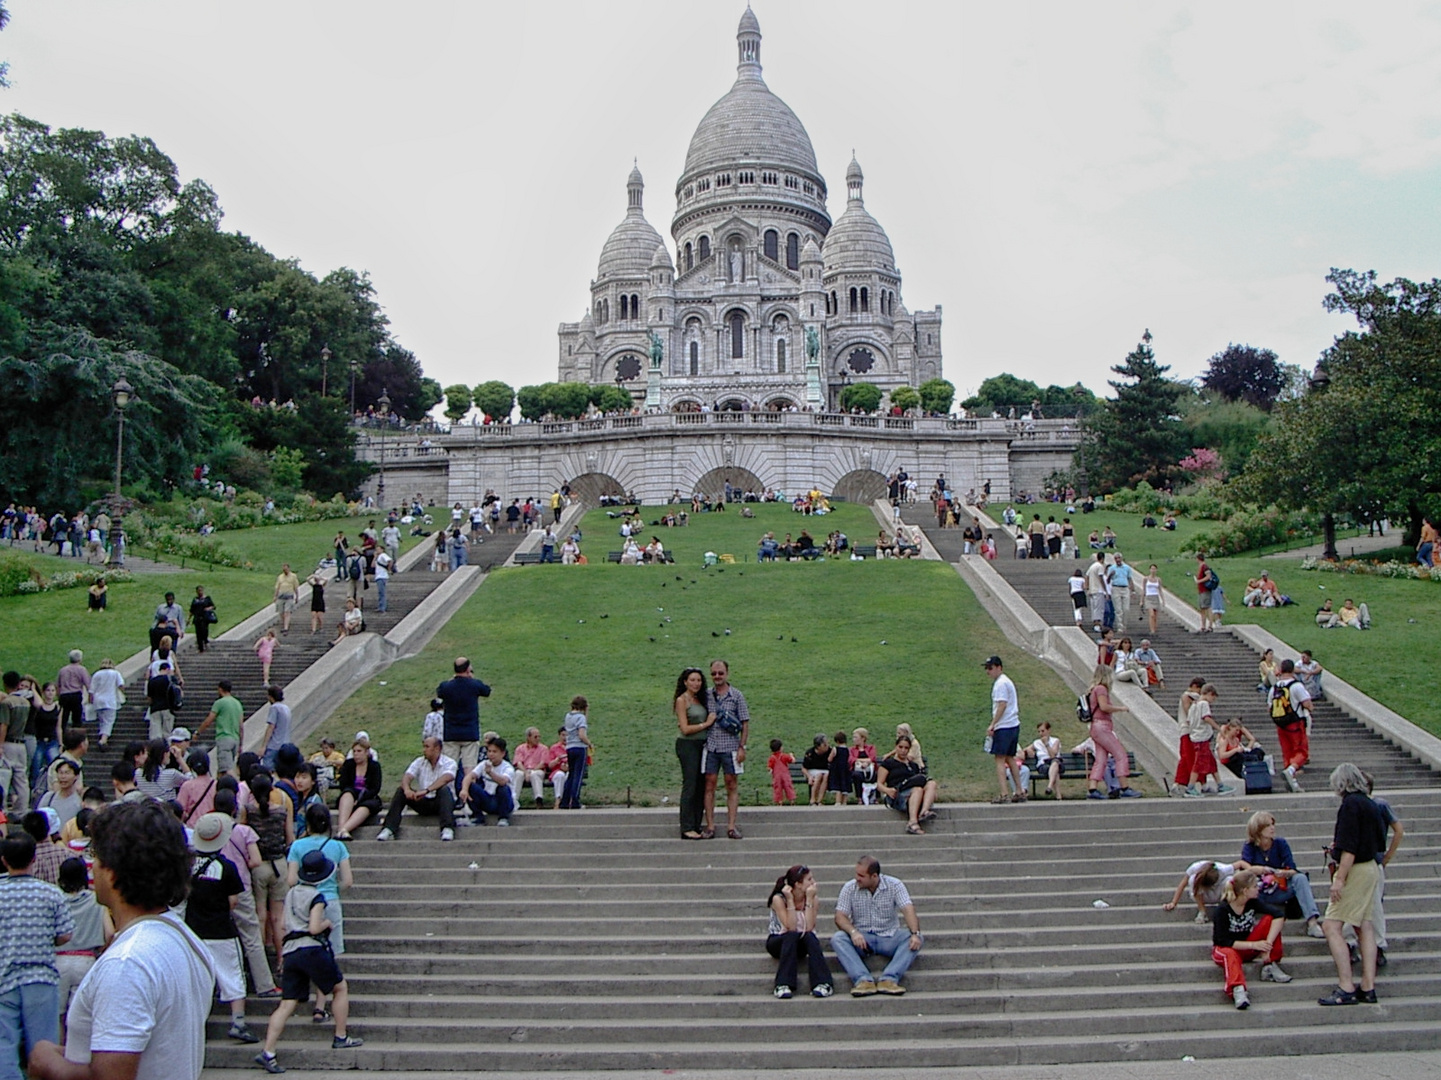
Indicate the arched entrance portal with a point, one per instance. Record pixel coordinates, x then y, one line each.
713 484
589 487
861 486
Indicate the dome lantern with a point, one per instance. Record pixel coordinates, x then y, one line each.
748 46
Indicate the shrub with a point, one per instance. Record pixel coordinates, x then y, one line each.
1247 529
19 578
1392 568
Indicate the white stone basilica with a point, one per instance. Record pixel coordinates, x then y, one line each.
766 304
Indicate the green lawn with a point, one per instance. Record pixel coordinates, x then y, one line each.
44 627
1388 662
823 646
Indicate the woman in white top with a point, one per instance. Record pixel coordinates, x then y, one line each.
105 687
1047 752
1153 598
1125 669
791 933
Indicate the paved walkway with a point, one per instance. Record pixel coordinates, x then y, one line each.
1347 548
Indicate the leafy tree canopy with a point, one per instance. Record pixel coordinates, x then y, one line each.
1245 373
101 243
905 397
495 399
1363 439
937 395
567 401
1002 393
457 402
862 395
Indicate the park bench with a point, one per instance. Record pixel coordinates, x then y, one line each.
865 551
527 558
1074 767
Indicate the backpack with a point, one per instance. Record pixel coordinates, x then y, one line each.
1083 708
1283 712
356 567
1213 580
269 832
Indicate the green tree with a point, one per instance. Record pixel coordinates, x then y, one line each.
495 399
457 402
287 465
607 397
937 395
1137 435
1001 393
531 400
905 398
862 395
1363 439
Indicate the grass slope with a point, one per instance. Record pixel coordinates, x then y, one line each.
823 646
1389 662
46 626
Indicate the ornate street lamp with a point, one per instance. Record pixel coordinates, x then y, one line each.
120 394
382 409
325 355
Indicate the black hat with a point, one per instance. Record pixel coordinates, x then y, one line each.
315 867
993 661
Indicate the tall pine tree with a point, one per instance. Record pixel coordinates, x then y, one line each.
1137 434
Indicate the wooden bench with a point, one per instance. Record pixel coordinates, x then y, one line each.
1073 767
865 551
527 558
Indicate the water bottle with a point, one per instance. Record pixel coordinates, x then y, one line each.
987 744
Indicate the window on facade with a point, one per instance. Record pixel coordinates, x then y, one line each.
747 178
770 178
738 335
695 358
813 311
624 305
723 180
928 339
704 244
635 305
835 308
810 189
781 356
772 243
866 300
853 301
689 257
689 191
793 251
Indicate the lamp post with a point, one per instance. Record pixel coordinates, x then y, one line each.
120 394
324 367
382 408
352 386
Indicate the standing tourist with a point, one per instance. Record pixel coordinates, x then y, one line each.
174 616
1153 597
105 687
693 722
1206 584
202 617
577 749
1096 584
383 565
287 589
1103 737
1358 842
1290 705
34 922
73 682
14 753
317 601
228 715
1004 731
214 888
1121 575
725 746
1076 585
277 725
461 702
144 1004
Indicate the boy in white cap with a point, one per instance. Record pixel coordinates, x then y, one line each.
214 882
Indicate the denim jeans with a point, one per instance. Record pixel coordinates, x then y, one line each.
897 946
502 803
380 585
46 751
575 776
28 1014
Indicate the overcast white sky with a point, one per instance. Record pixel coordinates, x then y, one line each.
1059 176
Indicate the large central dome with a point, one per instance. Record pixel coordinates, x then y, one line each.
750 123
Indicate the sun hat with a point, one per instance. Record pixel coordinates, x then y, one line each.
315 867
180 734
212 832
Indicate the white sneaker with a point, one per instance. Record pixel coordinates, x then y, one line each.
385 834
447 834
1201 917
1313 929
1240 997
1289 775
1274 973
503 822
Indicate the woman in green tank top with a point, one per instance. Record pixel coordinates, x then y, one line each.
693 722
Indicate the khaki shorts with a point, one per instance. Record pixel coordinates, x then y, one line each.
284 603
1357 896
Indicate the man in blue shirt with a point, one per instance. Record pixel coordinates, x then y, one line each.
1120 575
460 699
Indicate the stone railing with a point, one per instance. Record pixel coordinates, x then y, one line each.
1059 434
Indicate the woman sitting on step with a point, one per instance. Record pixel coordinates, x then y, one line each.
359 784
791 934
1285 890
1243 930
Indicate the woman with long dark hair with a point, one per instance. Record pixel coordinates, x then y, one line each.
156 778
693 721
791 934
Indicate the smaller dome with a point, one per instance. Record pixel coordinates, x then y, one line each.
635 176
661 260
631 246
857 241
853 172
749 23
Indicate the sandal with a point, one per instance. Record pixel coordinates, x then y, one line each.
707 834
929 815
734 834
1000 800
320 1016
915 830
692 835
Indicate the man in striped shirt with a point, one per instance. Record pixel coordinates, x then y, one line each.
869 912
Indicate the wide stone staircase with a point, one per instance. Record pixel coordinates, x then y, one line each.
1220 658
597 940
297 651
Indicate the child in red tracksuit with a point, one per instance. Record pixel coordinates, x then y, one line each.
783 790
1242 930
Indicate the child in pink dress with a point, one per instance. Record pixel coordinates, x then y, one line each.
783 790
265 649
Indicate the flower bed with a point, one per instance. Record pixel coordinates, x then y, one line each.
1391 569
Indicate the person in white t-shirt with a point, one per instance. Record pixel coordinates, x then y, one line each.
489 788
1076 583
1203 882
144 1004
1004 731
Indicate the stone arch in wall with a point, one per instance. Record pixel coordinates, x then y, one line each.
589 487
713 483
861 486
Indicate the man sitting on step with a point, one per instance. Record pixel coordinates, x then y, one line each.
869 911
427 788
489 788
